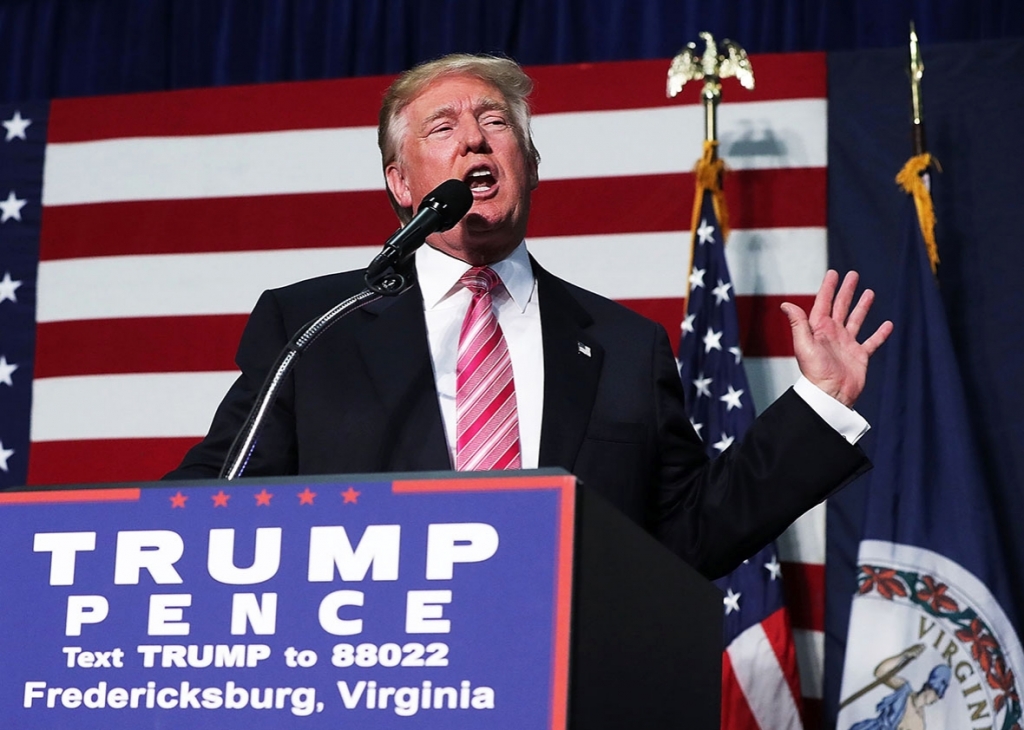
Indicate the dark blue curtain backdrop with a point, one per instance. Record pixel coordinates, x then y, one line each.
54 48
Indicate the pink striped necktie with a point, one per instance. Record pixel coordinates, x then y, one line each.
487 422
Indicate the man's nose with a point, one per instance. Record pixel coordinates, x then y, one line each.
473 137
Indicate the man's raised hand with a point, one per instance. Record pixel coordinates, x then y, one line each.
825 341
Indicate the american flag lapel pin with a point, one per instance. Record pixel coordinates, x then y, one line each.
583 349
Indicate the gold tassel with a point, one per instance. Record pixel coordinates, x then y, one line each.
708 174
909 178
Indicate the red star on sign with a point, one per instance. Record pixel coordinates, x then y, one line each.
351 496
306 497
220 499
263 498
178 500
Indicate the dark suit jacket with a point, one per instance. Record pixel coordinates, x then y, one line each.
362 399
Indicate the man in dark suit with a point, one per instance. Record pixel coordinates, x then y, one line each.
596 390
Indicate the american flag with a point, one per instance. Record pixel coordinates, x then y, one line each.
760 680
159 218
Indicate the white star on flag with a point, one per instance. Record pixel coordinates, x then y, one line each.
724 443
5 371
774 568
16 126
5 454
697 278
702 383
705 233
732 399
11 208
697 427
712 340
8 287
721 292
731 601
688 323
738 353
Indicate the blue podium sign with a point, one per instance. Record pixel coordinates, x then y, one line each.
420 603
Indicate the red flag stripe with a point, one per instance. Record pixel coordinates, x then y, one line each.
102 460
804 585
736 714
208 342
639 84
764 330
138 345
632 204
204 225
355 102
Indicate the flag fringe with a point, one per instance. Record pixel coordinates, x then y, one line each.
708 174
911 179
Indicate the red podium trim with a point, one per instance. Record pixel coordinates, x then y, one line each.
128 494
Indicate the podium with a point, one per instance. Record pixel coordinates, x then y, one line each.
502 600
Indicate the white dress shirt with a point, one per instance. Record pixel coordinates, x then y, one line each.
445 302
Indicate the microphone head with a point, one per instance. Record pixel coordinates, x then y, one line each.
451 200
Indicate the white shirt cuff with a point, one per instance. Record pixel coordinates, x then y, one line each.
850 424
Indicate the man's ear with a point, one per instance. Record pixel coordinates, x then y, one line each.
533 174
397 185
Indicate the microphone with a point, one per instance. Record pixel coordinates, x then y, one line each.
441 209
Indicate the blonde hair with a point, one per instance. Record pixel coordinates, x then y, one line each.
504 74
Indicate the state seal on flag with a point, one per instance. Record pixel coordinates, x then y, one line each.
928 647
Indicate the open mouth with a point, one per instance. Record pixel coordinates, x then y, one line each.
480 180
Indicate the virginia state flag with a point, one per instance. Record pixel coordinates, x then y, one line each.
930 643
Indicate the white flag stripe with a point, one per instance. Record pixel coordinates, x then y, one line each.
810 657
169 404
179 284
160 405
212 166
163 404
782 261
752 135
760 676
761 135
769 377
804 541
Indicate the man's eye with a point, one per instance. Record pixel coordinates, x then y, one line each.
495 122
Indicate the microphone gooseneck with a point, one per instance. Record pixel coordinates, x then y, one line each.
439 211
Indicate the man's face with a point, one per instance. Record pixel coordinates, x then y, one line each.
460 127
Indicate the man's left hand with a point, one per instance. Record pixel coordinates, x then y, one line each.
825 342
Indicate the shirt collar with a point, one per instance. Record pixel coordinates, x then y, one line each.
438 275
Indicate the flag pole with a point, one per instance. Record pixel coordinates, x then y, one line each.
710 68
760 678
916 74
914 177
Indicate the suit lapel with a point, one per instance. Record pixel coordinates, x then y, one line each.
572 368
394 347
